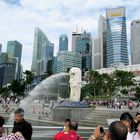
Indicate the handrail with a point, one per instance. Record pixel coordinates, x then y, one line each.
55 127
84 132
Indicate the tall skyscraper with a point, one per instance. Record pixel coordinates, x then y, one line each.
39 39
74 37
0 48
54 64
47 56
84 47
135 42
96 54
102 42
117 52
7 73
63 43
14 50
3 58
42 51
67 60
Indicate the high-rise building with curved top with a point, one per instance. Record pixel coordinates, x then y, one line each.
42 52
117 52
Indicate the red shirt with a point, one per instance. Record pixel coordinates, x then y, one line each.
71 135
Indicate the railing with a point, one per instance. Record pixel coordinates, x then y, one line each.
47 132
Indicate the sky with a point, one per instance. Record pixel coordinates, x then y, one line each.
18 19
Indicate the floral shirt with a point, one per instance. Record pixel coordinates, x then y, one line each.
12 137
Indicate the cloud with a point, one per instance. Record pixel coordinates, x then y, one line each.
20 17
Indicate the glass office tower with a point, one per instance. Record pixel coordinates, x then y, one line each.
42 51
84 47
63 43
117 52
14 50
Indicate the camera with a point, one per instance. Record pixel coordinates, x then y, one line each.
102 130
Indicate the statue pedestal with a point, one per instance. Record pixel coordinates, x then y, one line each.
62 113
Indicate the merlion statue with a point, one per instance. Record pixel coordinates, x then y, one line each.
75 84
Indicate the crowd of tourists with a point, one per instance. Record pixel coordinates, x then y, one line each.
114 104
128 128
125 129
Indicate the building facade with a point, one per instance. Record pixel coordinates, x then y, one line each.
14 51
42 52
47 56
66 60
3 58
63 43
84 47
54 64
102 42
75 35
0 48
96 54
117 52
7 73
39 39
135 42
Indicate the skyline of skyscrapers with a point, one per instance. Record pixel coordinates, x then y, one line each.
109 48
117 52
63 42
135 42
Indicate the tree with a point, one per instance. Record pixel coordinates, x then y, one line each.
123 80
93 83
5 91
107 84
18 87
29 76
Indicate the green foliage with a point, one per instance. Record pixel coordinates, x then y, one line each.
124 91
107 84
4 92
18 87
29 76
123 78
